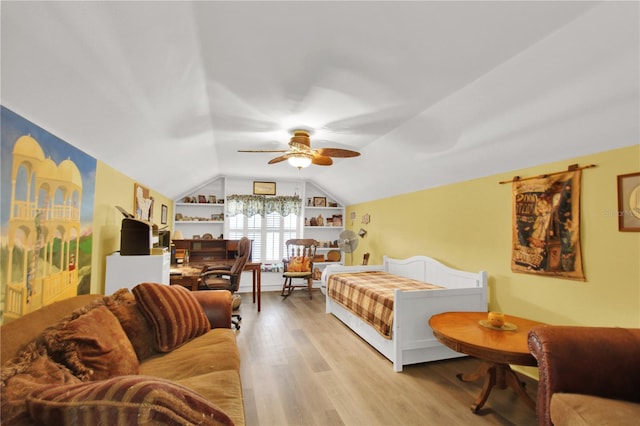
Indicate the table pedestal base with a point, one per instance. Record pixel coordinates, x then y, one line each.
496 375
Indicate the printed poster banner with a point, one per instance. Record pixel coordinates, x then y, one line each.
546 226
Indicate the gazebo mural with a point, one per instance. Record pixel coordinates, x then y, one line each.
43 232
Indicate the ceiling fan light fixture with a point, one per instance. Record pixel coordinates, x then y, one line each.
299 161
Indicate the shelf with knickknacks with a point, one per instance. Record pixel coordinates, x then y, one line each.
200 214
323 221
319 221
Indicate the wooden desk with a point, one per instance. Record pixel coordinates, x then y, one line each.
497 349
255 267
187 276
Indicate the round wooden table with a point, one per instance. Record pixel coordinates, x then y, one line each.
497 348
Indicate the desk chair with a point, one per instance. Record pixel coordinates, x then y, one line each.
299 264
228 278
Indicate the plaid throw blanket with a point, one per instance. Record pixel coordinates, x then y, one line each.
369 295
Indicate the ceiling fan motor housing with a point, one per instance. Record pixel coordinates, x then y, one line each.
300 140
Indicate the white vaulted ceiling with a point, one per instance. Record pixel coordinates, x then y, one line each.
429 92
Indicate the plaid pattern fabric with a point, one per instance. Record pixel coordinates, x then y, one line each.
369 295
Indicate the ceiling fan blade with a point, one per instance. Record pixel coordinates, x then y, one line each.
262 150
321 160
337 152
279 159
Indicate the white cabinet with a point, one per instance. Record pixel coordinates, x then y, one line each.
129 271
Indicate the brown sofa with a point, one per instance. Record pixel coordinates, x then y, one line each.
154 355
588 375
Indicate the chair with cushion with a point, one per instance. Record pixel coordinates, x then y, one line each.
228 278
298 264
588 375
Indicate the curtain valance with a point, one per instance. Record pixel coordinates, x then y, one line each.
251 205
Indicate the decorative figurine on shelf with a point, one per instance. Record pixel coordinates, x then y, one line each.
320 220
317 274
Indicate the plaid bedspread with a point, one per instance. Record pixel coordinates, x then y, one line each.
369 295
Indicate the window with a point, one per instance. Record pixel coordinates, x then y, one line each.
269 234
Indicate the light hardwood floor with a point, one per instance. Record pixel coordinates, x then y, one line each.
301 366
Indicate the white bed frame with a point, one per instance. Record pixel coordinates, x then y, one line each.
412 339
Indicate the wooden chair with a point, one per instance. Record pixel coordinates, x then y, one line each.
299 265
228 278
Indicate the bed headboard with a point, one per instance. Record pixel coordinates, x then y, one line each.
426 269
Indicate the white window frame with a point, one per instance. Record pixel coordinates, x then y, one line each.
288 227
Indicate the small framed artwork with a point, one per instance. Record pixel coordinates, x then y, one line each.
163 215
629 202
212 199
143 202
319 201
264 188
202 199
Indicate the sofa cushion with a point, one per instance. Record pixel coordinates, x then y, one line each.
223 388
17 334
176 315
92 344
572 409
123 400
216 350
31 369
134 323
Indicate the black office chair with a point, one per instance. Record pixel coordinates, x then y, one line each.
217 278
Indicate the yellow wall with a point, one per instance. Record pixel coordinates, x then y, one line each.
468 226
114 189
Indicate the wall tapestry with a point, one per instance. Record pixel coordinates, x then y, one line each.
47 193
546 226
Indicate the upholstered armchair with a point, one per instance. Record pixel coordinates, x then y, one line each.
588 375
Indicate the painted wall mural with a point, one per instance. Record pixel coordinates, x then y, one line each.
47 194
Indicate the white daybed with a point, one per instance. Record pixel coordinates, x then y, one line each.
412 339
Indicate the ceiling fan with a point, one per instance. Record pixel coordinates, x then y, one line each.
300 154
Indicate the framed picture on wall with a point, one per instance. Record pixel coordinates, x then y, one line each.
163 215
264 188
143 202
629 202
